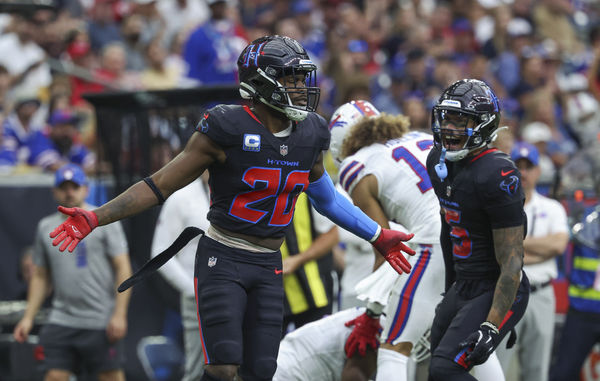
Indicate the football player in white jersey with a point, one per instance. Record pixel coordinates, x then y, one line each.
315 352
383 170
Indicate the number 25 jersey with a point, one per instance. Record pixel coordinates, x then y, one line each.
254 191
480 193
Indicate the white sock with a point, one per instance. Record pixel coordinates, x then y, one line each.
391 365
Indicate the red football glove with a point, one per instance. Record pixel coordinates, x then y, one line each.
389 244
365 332
80 223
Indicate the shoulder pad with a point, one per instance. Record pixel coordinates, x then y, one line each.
220 123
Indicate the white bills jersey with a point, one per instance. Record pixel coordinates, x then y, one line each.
406 196
405 191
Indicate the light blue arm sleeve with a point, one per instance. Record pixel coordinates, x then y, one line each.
330 203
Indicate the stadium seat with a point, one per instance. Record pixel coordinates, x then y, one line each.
161 358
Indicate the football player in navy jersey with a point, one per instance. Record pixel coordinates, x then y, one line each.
259 159
483 225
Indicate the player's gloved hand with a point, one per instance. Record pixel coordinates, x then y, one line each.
366 331
390 245
482 343
79 224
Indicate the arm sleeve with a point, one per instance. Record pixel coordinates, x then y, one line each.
327 201
446 244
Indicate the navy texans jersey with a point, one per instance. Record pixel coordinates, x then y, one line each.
254 192
480 193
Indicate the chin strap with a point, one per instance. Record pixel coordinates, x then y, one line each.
440 169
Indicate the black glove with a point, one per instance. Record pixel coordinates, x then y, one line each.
481 343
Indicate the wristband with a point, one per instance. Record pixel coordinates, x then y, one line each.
491 326
157 192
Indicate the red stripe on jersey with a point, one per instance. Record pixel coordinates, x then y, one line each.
484 153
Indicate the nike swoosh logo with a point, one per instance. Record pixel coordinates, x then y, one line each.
206 115
278 271
506 173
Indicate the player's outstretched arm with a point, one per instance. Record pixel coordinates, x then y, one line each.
327 201
198 154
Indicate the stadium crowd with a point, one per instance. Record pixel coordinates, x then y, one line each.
541 57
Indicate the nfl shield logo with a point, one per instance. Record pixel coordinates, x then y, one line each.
212 261
283 150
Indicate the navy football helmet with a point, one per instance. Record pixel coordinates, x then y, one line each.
467 99
263 64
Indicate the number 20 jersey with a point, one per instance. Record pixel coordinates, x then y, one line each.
254 191
405 192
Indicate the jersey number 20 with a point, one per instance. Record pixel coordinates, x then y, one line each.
285 200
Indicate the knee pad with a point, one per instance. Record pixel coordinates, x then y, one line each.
443 369
261 369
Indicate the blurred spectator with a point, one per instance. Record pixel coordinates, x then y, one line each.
212 49
507 58
414 108
532 76
153 22
103 28
160 74
539 134
181 15
61 145
18 129
186 207
23 58
547 238
113 73
88 318
131 31
553 20
582 112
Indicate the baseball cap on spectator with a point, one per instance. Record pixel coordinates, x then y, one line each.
536 132
70 172
212 2
524 150
26 95
62 117
519 27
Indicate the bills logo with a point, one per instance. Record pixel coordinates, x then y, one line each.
212 261
283 149
251 142
510 185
